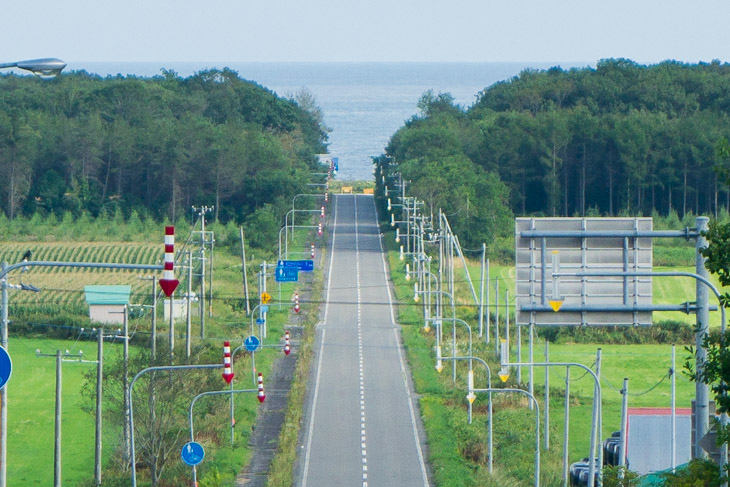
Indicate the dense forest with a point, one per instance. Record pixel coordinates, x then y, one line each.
82 144
617 139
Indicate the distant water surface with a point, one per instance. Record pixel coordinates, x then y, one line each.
363 103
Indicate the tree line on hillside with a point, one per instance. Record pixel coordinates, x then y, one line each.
83 144
617 139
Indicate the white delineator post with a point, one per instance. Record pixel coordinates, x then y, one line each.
261 394
312 250
287 349
227 363
168 283
296 302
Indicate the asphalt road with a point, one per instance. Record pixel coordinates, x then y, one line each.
361 425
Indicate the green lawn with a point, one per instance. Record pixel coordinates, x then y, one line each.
31 413
666 290
644 365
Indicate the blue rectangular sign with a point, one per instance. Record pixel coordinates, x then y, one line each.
302 265
287 274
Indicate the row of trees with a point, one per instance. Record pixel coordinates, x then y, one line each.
618 139
83 143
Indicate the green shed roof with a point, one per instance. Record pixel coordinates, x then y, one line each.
107 294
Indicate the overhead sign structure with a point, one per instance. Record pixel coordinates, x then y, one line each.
287 274
192 453
252 343
6 367
582 245
302 265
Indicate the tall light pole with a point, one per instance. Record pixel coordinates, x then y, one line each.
49 66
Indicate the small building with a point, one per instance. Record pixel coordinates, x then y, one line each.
106 303
649 438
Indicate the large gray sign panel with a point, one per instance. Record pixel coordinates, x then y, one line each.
583 245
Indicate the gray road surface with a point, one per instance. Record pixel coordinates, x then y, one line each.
361 425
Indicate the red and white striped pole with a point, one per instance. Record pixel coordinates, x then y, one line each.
296 302
321 212
312 250
287 349
261 395
326 195
319 229
227 364
168 283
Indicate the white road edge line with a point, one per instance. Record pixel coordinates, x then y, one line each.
321 347
400 355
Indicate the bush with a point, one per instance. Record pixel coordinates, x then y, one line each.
698 472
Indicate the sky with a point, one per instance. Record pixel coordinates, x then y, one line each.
219 31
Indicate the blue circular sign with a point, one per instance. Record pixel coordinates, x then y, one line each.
192 453
6 367
251 343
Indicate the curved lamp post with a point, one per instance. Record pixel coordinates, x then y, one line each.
49 66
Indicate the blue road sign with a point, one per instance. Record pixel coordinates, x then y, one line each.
192 453
260 321
287 274
264 308
302 265
6 367
251 343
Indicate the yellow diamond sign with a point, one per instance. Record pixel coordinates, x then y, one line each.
265 298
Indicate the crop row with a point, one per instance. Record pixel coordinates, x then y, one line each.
65 285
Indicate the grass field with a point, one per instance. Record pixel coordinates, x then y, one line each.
31 413
665 290
457 450
31 390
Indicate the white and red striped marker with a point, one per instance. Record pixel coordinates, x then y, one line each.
312 250
319 229
296 302
321 212
326 196
168 283
287 349
227 371
262 396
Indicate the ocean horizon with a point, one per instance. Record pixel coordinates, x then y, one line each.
364 103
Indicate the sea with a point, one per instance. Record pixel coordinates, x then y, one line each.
364 104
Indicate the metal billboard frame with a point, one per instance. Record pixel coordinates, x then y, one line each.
584 245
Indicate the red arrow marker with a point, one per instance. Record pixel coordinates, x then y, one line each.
261 396
227 372
168 283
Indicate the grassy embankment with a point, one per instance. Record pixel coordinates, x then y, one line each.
458 451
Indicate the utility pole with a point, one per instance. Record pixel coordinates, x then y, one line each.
125 381
245 276
57 435
201 211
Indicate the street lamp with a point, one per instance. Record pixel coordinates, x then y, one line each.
49 66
